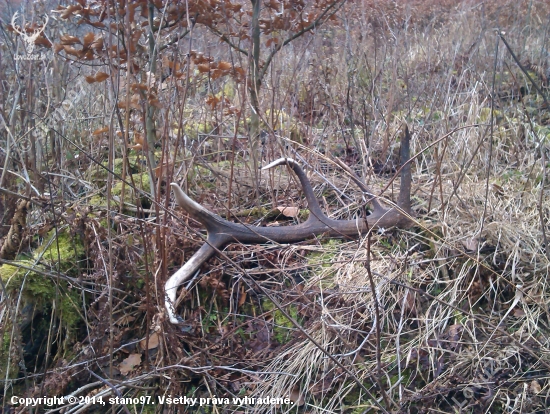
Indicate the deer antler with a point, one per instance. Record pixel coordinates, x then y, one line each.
222 232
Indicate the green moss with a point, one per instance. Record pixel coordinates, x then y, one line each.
282 328
63 252
141 182
100 172
4 355
37 283
98 201
39 293
326 257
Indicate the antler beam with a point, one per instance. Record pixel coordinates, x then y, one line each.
222 232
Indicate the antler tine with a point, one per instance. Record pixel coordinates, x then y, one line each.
312 203
404 200
208 249
355 178
214 241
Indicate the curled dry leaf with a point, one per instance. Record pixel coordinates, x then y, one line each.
101 76
97 44
242 297
69 11
535 387
224 65
71 51
69 40
42 41
88 40
100 131
291 212
203 68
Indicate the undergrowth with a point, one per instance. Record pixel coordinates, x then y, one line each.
462 296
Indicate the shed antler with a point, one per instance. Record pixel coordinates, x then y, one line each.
222 232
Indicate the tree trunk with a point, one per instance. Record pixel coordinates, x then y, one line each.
253 90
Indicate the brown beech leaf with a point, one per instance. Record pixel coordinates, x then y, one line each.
88 40
140 86
89 55
42 41
100 131
101 76
222 65
71 51
155 102
216 73
69 11
129 363
535 387
203 68
69 40
471 244
97 44
519 313
163 169
125 320
296 397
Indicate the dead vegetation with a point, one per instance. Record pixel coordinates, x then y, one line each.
459 320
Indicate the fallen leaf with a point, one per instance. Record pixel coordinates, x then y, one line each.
289 211
125 320
129 363
153 341
535 387
163 169
518 312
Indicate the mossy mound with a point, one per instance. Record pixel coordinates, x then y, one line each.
100 173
